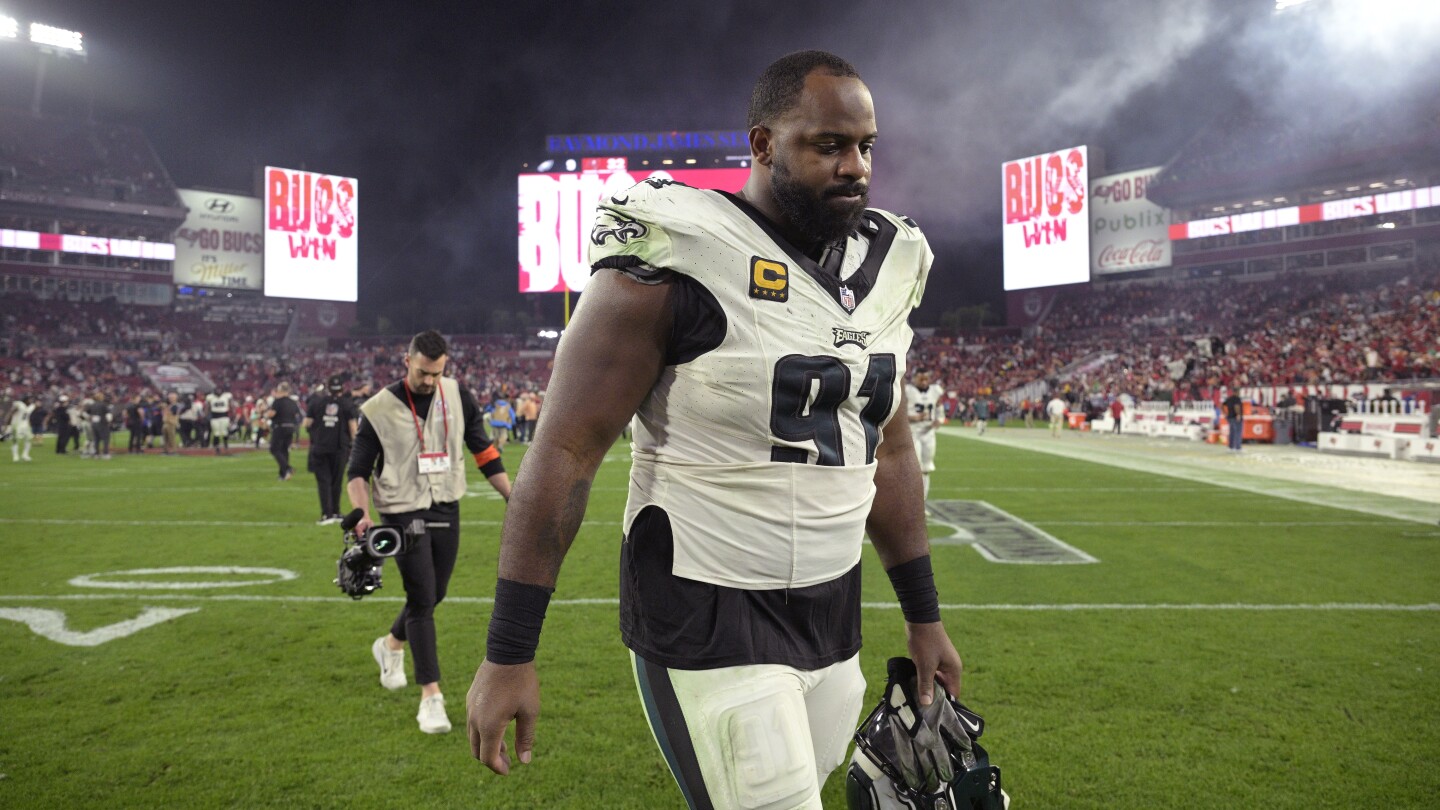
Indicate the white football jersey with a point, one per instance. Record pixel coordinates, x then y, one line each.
218 403
20 414
762 449
927 404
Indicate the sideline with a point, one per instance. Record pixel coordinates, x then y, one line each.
1398 490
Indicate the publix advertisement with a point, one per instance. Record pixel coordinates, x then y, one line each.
1127 231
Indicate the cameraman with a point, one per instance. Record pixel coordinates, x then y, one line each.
412 437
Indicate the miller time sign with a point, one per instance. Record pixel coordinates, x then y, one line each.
222 243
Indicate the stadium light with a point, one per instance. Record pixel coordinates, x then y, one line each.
48 36
9 28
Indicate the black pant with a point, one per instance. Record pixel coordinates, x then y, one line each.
425 568
328 469
280 438
62 437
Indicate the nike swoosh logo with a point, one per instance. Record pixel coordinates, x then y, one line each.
974 727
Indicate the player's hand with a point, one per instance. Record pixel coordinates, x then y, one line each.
935 657
499 694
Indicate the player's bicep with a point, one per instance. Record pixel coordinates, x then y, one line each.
612 354
895 434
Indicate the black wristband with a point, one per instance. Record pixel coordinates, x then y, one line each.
914 584
515 622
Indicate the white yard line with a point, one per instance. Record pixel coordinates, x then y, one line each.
292 524
1213 523
603 602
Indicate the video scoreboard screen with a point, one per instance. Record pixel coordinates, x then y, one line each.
1047 219
557 211
222 242
311 235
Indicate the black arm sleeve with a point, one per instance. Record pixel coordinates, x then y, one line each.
365 454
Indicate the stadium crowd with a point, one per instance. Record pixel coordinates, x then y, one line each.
1150 341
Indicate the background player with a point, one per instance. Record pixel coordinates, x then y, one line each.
21 434
926 413
218 403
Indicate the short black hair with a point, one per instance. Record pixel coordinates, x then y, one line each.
429 343
777 91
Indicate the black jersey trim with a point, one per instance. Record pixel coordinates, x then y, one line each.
683 623
632 266
882 235
698 323
672 733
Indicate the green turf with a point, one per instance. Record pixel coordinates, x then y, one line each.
267 703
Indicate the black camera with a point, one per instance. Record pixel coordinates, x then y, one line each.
358 573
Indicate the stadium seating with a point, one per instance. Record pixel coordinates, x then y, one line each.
82 159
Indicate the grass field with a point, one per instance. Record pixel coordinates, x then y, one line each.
1229 649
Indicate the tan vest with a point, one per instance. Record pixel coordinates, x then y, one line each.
400 487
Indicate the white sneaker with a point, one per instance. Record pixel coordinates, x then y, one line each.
432 717
392 664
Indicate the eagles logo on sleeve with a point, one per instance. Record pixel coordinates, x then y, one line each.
609 225
632 233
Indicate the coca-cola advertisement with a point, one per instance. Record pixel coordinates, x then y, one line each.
1127 231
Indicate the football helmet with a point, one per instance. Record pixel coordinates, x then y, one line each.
921 758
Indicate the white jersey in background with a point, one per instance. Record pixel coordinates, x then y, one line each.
218 404
20 416
20 433
926 404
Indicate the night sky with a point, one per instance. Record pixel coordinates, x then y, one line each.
434 107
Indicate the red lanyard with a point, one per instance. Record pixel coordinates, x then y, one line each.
444 415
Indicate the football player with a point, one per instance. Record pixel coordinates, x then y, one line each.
218 403
926 413
759 341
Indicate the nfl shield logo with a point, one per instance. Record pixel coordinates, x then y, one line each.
847 299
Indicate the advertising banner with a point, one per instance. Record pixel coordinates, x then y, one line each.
1346 208
311 235
1127 231
1046 234
222 243
557 212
